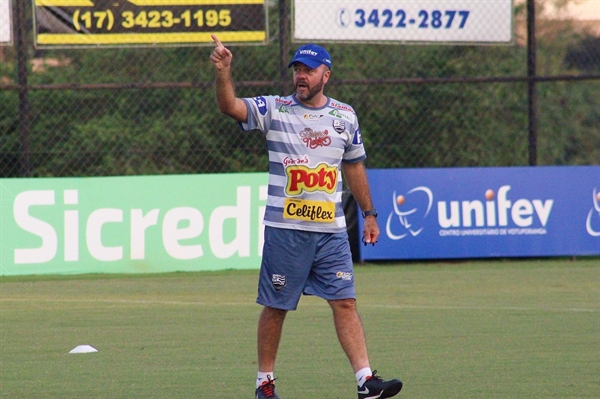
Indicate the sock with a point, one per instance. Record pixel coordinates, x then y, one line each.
262 377
362 374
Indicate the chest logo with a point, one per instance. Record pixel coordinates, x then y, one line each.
339 126
314 139
302 178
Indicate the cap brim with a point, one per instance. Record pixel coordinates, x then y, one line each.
306 61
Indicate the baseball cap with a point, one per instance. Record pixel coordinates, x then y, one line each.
312 55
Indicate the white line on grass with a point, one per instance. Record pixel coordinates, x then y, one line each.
508 308
125 301
216 303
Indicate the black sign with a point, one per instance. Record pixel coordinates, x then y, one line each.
148 22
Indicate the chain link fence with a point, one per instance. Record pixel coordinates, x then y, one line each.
151 110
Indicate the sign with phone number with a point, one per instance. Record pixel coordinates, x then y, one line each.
5 22
455 21
148 22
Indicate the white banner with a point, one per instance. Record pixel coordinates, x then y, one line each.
5 22
454 21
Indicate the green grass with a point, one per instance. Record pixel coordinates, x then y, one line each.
489 329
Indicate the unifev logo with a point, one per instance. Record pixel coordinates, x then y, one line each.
417 211
592 222
495 215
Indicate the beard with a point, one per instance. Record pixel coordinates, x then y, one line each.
310 92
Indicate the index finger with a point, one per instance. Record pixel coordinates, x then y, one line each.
216 40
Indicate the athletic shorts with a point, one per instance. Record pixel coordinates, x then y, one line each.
296 262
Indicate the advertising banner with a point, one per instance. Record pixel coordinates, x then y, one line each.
148 22
486 212
5 22
137 224
426 21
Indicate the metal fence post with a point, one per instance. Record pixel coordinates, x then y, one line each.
21 48
531 82
283 46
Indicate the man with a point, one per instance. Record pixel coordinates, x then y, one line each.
310 137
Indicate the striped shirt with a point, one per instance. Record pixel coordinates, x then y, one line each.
306 148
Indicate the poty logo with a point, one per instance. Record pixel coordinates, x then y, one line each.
594 214
496 211
302 178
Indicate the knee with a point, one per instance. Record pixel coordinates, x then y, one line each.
273 313
343 305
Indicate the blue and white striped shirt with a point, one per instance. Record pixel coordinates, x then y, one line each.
306 148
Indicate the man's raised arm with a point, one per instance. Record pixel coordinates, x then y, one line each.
228 103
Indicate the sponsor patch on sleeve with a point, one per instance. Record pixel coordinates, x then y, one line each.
261 104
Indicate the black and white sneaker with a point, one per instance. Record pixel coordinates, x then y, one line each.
377 388
267 390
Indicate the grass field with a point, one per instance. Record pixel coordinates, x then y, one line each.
489 329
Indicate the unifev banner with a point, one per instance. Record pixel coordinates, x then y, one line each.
454 21
5 22
486 212
137 224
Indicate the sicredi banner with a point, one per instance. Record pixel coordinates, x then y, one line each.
137 224
486 212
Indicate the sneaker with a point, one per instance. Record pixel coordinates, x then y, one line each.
267 390
377 388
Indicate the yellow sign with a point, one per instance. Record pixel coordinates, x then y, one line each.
148 22
311 211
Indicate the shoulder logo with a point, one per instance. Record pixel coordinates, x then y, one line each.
357 137
261 104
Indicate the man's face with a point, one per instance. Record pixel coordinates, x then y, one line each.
308 81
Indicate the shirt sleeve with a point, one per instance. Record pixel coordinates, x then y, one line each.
259 113
355 150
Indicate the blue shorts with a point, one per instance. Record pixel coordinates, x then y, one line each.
296 262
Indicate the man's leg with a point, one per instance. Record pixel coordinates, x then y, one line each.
352 337
350 332
270 325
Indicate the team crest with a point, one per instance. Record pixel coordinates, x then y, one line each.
278 281
339 126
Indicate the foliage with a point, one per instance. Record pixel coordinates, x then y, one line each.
175 127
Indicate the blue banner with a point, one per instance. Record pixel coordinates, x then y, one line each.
485 212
